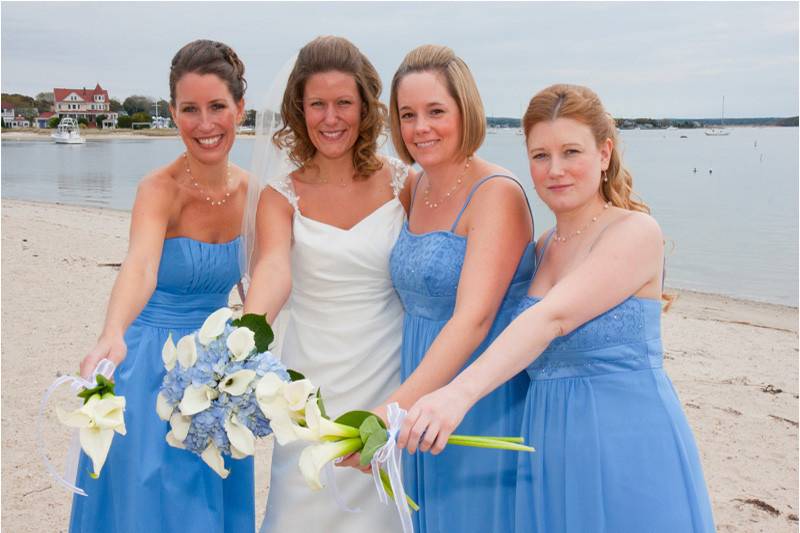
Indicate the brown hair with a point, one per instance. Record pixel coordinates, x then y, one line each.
208 57
326 54
582 104
460 85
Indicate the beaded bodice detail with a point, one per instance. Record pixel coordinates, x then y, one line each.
626 336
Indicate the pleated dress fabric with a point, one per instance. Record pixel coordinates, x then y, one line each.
341 328
614 451
462 489
146 485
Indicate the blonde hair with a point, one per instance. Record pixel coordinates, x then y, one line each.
583 105
460 85
327 54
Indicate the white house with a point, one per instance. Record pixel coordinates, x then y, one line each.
82 103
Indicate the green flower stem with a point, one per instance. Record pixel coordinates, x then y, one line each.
488 442
387 486
518 440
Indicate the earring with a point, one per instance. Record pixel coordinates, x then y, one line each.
605 176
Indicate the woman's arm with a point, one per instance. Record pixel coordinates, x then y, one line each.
136 280
271 280
627 257
499 230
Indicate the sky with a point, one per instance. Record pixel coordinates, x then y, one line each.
644 59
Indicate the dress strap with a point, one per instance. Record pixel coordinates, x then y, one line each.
540 257
475 188
286 188
399 171
414 192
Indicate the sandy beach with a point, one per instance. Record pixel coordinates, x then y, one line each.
734 364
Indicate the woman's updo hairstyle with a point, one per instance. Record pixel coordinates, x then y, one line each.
208 57
583 105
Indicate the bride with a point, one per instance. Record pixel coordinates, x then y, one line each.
324 229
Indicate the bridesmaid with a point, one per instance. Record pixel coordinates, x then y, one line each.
181 265
614 451
460 266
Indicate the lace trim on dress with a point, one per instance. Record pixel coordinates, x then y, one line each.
285 187
399 171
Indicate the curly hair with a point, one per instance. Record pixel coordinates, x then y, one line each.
326 54
583 105
460 85
208 57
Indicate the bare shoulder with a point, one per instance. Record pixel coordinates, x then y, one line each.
634 228
500 192
158 187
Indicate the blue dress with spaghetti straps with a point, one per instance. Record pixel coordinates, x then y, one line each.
147 485
614 451
462 489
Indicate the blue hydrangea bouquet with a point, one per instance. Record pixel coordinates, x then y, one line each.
209 393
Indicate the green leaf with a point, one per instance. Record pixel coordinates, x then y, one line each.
104 386
258 325
356 418
294 375
375 441
321 404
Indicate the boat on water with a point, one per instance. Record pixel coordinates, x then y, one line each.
68 132
721 131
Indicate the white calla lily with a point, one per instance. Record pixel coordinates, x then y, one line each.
169 353
296 393
163 407
196 399
174 442
186 351
241 342
180 426
97 420
280 420
236 384
213 458
269 386
320 427
313 458
242 439
214 325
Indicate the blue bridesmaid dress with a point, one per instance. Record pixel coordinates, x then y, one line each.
462 489
614 451
147 486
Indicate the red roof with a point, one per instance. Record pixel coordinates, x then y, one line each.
46 114
87 94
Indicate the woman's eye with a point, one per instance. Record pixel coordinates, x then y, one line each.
188 109
437 111
406 116
316 104
539 156
218 106
344 102
572 151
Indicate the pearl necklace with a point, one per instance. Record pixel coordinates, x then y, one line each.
459 180
559 238
197 186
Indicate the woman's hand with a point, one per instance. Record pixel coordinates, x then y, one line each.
107 347
432 419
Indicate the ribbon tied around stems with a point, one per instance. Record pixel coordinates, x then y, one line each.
106 369
390 456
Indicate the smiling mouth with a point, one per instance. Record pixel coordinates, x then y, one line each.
559 187
208 142
425 144
332 135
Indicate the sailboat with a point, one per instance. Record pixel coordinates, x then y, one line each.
717 132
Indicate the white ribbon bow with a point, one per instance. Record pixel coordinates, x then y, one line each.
104 368
390 455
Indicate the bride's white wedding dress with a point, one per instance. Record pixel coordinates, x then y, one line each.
342 328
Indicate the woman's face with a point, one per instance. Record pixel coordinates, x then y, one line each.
430 120
566 163
332 108
206 116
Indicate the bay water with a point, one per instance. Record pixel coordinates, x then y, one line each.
728 206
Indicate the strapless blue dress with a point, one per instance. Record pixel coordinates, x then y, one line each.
147 486
462 489
614 451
